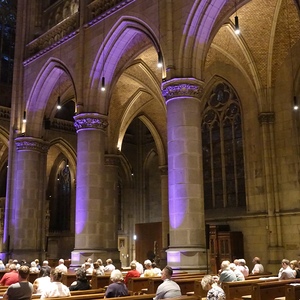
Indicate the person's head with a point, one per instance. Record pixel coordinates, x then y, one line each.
116 275
37 261
87 265
133 266
12 267
242 262
236 262
285 263
99 261
294 264
61 261
225 264
56 275
33 264
44 272
80 274
148 264
45 263
207 281
166 273
23 272
232 266
256 260
109 261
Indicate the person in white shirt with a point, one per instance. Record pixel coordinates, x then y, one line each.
61 267
56 288
258 267
109 266
42 282
286 272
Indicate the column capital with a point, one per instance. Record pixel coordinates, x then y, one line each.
31 144
112 160
266 117
90 121
182 87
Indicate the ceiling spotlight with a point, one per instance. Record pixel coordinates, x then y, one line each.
58 105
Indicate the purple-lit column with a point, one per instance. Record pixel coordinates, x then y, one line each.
90 233
27 207
187 250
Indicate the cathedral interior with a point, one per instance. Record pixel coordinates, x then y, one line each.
160 129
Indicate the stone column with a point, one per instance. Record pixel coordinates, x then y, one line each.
28 203
187 249
90 233
275 248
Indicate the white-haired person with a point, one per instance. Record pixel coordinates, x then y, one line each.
239 275
226 275
214 292
62 267
117 288
169 288
109 266
286 272
243 267
148 272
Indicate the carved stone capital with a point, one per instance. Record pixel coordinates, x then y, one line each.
31 144
266 118
112 160
90 121
182 87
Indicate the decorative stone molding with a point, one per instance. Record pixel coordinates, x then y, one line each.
182 87
112 160
31 144
63 125
266 118
86 121
163 170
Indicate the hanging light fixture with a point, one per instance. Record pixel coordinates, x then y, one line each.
103 84
296 106
58 105
236 25
24 116
160 60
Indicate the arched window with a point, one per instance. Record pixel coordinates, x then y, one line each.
222 150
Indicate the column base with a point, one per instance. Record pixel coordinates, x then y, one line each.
78 257
188 259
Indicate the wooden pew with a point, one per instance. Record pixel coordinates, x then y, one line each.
100 281
198 290
237 289
68 279
270 290
187 284
137 285
292 292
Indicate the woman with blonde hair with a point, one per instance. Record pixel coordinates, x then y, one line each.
214 292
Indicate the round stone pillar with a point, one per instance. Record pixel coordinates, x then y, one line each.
187 250
26 211
90 232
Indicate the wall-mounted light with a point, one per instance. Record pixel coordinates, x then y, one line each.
24 116
103 84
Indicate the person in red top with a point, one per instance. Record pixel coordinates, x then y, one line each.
132 273
10 277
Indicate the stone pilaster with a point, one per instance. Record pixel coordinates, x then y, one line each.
89 232
165 213
27 208
275 248
187 249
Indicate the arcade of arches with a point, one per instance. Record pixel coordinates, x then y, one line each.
141 159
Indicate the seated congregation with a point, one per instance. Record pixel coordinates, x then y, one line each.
234 281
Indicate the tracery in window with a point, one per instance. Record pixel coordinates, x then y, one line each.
222 150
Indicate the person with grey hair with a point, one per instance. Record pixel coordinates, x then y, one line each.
169 288
214 292
226 275
117 288
61 266
109 266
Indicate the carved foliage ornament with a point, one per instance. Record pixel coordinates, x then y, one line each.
25 144
90 122
182 90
